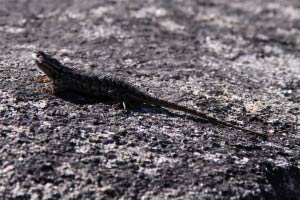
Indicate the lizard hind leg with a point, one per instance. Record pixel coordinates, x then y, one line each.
119 106
126 104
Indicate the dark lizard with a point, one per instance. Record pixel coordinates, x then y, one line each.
107 86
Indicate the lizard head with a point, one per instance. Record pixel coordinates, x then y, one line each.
50 66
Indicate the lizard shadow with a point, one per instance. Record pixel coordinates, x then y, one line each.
146 108
79 99
142 108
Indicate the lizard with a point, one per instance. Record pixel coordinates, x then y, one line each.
107 86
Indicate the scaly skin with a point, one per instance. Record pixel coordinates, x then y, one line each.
107 86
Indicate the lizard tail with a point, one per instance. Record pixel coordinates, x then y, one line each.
170 105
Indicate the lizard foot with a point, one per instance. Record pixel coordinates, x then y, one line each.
48 90
42 79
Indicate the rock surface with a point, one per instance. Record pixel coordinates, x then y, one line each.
235 60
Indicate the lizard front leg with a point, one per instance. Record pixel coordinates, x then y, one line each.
42 78
49 90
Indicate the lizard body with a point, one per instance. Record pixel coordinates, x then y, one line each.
102 85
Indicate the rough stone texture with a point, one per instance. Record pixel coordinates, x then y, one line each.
235 60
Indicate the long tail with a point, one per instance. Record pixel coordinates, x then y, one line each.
166 104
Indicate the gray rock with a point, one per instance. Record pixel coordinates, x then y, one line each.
238 61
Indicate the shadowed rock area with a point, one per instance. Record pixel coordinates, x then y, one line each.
234 60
